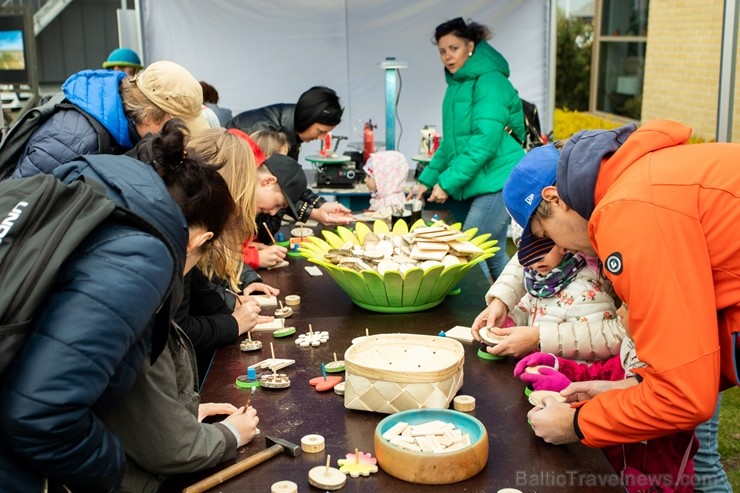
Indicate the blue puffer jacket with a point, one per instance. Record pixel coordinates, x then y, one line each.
67 134
90 339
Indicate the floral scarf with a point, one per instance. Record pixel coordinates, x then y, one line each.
550 284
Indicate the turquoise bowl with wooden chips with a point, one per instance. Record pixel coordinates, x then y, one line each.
392 291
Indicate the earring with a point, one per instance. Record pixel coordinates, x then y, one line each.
470 53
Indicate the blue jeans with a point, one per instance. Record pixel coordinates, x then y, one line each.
488 214
710 477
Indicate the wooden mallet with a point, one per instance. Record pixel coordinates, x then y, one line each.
275 446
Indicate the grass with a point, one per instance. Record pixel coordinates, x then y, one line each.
729 435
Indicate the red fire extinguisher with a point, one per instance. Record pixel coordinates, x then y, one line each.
368 140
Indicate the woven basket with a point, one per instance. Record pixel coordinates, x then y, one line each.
389 373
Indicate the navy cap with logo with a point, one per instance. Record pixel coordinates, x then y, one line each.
523 190
291 178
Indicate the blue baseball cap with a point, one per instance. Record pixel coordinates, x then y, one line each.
523 190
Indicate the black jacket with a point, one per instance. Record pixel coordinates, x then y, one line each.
279 117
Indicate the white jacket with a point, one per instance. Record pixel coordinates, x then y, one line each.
577 323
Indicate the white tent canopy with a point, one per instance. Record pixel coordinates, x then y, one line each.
257 53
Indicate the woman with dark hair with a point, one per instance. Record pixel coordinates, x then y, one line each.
315 114
210 99
477 153
99 320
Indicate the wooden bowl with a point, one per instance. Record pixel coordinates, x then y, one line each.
431 468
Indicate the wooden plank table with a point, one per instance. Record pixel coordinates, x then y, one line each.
517 458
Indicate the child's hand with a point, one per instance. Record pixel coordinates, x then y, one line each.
332 214
535 359
546 379
272 255
417 192
493 316
261 287
584 391
520 341
245 421
215 408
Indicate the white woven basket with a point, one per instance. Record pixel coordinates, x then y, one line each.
389 373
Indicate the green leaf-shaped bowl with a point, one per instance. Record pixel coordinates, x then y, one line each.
393 292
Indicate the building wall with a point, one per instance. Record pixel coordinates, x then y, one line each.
682 64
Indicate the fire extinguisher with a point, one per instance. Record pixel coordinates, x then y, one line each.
368 140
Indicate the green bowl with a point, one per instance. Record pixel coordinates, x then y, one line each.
393 292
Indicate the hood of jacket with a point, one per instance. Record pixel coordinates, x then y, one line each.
135 186
592 159
485 59
97 93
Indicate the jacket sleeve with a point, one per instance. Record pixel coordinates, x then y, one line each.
207 322
157 429
60 139
672 317
490 114
590 329
251 255
509 286
88 342
608 369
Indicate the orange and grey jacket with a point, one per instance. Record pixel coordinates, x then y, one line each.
664 223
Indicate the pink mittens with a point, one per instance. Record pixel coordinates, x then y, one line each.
535 359
546 379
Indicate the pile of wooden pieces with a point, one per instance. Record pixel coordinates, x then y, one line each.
432 437
424 247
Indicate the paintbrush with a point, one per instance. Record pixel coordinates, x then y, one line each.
269 233
249 398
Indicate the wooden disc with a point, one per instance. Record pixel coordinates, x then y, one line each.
489 337
334 366
301 232
327 478
275 381
535 369
312 444
284 312
247 345
464 403
535 398
292 300
339 388
287 331
284 487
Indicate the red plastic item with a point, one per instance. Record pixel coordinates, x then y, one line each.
368 140
323 384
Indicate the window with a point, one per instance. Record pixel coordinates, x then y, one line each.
620 46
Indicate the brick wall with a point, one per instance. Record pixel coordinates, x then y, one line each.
682 65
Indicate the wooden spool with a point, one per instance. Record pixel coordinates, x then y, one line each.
464 403
247 345
327 478
275 381
292 300
312 444
490 338
284 487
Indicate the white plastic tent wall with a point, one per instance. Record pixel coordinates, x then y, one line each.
258 52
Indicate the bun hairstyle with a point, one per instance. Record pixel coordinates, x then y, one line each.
317 105
472 31
196 186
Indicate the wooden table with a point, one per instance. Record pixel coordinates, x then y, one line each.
517 458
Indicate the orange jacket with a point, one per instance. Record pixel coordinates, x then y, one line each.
672 212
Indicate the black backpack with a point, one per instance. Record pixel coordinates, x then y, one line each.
532 130
42 221
14 142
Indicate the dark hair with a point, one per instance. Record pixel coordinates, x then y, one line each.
197 187
317 105
210 94
472 31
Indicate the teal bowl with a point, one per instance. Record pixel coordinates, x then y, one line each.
433 468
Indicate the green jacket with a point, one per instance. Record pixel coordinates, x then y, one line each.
476 155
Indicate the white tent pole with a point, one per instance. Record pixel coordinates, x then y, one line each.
725 103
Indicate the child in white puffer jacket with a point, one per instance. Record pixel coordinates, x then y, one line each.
556 303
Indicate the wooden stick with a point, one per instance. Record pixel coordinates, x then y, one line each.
310 329
335 358
249 336
249 398
281 304
269 233
328 461
357 457
367 332
272 351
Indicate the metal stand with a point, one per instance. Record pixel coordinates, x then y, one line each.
391 67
